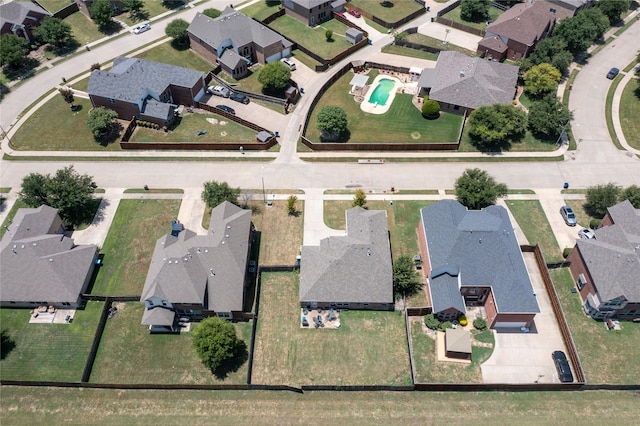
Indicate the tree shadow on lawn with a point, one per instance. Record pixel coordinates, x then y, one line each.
111 136
111 28
7 344
141 15
343 138
25 70
486 146
180 45
233 364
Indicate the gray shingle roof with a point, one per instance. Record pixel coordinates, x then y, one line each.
445 291
483 245
190 267
17 12
134 80
355 268
524 22
309 4
613 259
472 82
38 264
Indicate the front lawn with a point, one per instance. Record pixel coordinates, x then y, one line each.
388 11
314 38
606 356
151 9
280 233
84 30
454 15
582 216
534 224
130 242
369 348
167 54
50 352
129 354
528 143
9 218
630 111
402 123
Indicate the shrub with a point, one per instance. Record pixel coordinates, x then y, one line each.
566 251
595 223
430 108
444 325
94 67
329 35
480 324
463 320
431 322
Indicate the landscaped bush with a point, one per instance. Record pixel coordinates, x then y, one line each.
463 320
430 109
480 324
444 325
594 223
566 251
431 322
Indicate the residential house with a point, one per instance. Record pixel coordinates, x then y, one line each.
20 17
312 12
235 41
352 271
606 269
566 8
461 83
472 258
146 90
197 276
514 34
85 6
40 265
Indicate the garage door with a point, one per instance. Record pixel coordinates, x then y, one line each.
510 325
274 57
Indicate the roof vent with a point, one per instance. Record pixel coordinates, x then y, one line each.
206 250
50 260
461 73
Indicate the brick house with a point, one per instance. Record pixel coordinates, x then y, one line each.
145 90
198 276
235 41
606 269
19 18
353 271
311 12
472 258
514 34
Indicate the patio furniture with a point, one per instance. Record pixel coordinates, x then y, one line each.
51 310
42 309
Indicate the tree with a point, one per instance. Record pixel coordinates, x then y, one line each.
274 77
600 197
552 50
215 193
177 30
53 31
430 108
497 124
101 121
548 116
13 50
406 281
101 12
474 10
67 191
332 122
613 9
291 204
632 194
328 35
359 199
476 189
583 29
67 94
431 322
541 79
216 343
562 61
211 13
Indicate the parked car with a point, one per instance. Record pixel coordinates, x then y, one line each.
355 13
227 109
586 234
562 365
288 62
239 97
613 72
568 215
141 28
219 91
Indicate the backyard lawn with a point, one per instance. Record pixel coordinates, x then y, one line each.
528 143
403 123
369 348
388 11
536 228
606 356
406 51
630 111
260 10
430 370
51 352
436 43
130 242
454 15
314 38
129 354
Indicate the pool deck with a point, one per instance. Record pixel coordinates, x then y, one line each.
373 108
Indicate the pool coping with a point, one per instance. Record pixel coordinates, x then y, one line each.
375 108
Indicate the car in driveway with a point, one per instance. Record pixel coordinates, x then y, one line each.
568 215
562 365
288 62
586 234
355 13
141 28
226 108
613 72
219 91
239 97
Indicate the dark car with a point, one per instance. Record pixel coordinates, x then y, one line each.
227 109
613 72
239 97
568 216
562 365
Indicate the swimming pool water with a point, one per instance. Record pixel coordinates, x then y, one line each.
380 94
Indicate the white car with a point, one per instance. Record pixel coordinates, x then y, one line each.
288 62
141 28
219 91
586 234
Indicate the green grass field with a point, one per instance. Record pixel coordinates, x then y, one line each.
84 30
130 242
185 58
528 143
260 10
129 354
454 15
314 38
406 51
7 220
391 11
369 347
630 111
536 228
437 43
403 123
55 352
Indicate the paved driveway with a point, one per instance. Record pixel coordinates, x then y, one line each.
526 357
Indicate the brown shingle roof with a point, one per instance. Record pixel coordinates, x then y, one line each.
525 23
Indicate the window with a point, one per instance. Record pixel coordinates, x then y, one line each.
112 101
582 281
224 315
66 304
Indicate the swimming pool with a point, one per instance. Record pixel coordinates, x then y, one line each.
380 94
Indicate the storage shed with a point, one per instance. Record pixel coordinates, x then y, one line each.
354 36
457 343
